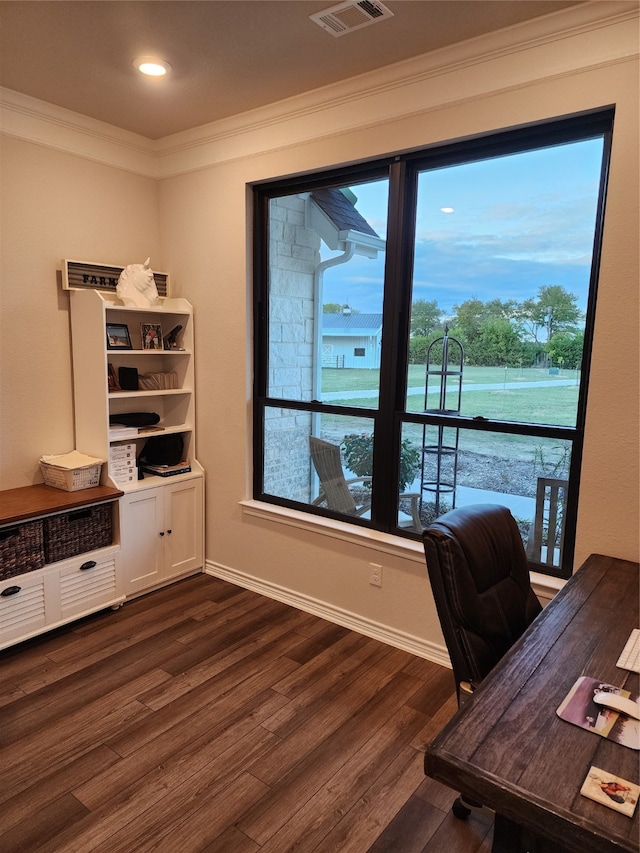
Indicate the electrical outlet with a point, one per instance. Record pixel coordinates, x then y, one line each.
375 574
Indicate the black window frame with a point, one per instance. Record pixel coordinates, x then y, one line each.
402 171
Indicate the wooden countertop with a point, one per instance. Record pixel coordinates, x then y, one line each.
34 501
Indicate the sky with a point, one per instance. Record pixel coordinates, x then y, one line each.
516 223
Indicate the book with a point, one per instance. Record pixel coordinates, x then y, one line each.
150 429
611 791
166 470
579 708
118 432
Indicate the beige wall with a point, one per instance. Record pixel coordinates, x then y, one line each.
56 205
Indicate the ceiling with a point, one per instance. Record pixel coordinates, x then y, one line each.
227 56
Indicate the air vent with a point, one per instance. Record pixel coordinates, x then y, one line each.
347 17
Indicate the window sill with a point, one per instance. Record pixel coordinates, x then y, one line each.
544 586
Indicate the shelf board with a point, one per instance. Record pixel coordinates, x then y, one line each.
146 352
165 392
167 430
151 481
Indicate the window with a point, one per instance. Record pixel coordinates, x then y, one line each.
426 321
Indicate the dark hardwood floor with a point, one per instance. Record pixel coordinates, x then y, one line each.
203 717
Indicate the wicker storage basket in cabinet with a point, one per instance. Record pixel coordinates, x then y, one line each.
71 533
21 549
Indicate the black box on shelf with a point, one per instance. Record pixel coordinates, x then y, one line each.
128 378
76 532
21 549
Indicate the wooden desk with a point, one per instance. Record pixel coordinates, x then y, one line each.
507 747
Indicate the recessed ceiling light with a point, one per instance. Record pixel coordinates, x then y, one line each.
151 66
446 209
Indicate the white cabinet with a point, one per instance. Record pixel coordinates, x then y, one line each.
46 598
162 533
153 506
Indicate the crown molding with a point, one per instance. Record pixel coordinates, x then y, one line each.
563 43
42 123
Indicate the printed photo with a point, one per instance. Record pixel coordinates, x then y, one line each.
151 336
611 791
118 336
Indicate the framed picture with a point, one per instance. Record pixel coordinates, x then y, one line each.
112 379
151 336
118 336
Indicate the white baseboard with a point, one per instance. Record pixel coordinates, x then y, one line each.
392 637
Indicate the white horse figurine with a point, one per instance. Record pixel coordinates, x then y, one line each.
136 285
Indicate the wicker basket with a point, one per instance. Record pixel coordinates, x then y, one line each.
21 549
71 479
71 533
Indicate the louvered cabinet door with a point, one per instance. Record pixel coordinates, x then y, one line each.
87 584
22 607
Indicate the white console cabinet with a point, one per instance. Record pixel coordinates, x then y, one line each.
163 526
35 600
38 601
161 518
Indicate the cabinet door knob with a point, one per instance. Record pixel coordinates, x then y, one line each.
10 590
169 531
161 533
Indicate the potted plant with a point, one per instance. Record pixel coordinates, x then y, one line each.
357 449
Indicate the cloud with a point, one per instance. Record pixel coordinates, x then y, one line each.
521 221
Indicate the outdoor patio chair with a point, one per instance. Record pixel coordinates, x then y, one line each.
546 536
479 576
335 489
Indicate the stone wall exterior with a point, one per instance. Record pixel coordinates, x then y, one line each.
294 253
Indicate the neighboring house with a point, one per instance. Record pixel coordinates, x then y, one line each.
348 339
351 340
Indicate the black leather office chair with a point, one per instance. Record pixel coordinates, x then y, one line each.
480 581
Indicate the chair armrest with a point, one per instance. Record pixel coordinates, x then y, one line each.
415 509
358 512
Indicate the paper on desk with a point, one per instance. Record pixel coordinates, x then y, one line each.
579 708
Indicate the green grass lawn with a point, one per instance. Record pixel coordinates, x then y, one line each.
551 405
359 379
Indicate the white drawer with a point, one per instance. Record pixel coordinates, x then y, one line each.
87 583
22 607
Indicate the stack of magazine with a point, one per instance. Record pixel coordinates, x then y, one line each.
166 470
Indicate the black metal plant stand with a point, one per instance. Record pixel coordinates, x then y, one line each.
439 472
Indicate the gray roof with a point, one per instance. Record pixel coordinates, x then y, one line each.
351 324
341 211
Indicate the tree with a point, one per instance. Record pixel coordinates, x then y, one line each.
467 320
425 317
560 309
554 309
470 318
565 349
418 346
498 343
331 308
